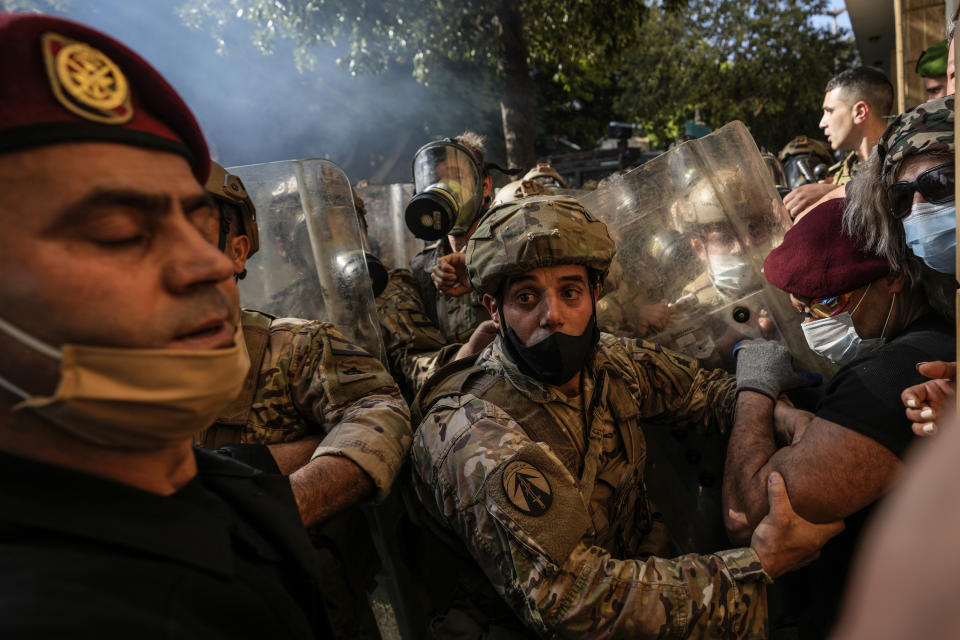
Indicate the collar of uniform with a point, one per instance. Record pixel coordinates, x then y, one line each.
494 360
52 498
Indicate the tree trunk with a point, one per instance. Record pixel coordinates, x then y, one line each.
516 104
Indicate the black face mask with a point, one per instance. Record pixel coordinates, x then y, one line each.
555 359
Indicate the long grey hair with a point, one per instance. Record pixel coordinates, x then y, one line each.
867 216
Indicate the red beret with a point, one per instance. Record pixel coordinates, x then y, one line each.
817 259
63 82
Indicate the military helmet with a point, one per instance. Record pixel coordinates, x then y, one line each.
803 144
513 191
544 174
226 187
704 202
541 231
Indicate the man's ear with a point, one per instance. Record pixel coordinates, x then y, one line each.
896 282
238 251
487 187
698 248
490 304
860 112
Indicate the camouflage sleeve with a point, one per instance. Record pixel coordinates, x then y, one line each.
520 514
348 391
676 390
412 340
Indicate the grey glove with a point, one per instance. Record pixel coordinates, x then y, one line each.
765 366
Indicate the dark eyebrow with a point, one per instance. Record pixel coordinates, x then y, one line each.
142 203
192 203
574 278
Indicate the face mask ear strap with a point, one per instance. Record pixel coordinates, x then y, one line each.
889 313
861 300
25 338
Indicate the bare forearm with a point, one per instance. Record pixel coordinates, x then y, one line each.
290 456
745 474
328 485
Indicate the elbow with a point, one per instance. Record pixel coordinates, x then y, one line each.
738 527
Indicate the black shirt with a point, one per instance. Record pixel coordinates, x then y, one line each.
224 557
864 396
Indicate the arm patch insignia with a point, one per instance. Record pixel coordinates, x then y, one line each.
526 488
419 319
537 501
343 347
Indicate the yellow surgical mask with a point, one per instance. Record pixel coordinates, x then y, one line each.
135 398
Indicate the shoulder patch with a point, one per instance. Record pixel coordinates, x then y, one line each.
527 489
348 372
419 319
537 501
353 369
340 346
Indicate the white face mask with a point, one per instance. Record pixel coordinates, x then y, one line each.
836 339
731 272
135 398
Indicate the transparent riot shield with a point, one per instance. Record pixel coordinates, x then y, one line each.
693 227
387 233
311 261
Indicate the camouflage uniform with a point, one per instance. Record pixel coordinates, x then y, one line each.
456 317
555 511
307 378
412 341
843 172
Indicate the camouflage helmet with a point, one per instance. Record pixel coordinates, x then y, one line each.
803 144
541 231
544 174
702 203
513 191
228 188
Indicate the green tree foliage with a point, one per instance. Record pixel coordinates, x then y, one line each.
514 40
761 62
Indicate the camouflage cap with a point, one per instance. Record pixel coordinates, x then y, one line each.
224 186
927 128
933 61
542 231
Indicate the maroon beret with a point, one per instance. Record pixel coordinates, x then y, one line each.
818 259
63 82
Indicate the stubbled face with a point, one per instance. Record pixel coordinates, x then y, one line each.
545 301
837 121
103 244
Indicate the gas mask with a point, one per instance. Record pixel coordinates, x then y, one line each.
135 398
449 191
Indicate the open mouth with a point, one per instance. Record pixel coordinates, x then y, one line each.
209 335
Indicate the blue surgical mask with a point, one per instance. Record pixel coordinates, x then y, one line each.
931 234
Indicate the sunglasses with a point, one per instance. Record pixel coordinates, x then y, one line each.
825 307
935 185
